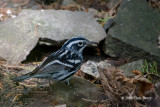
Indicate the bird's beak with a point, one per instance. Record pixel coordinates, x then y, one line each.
92 43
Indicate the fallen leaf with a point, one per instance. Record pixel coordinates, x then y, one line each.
137 72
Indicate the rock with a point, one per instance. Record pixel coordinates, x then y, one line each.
108 24
134 32
92 11
116 48
79 93
20 35
129 67
91 67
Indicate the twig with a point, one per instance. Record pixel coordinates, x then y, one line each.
20 7
16 97
157 4
26 2
15 67
131 94
9 94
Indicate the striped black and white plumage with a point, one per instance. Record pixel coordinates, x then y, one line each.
62 64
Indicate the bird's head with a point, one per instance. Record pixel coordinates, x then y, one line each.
77 44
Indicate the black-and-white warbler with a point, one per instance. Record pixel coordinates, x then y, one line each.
62 64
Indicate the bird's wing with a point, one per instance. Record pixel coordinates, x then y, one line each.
50 58
57 70
54 67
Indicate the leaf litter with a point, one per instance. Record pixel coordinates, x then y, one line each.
127 91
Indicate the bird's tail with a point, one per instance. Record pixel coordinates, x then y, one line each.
21 78
26 76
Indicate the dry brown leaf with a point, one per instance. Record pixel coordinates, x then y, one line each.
145 88
137 72
141 78
145 85
128 80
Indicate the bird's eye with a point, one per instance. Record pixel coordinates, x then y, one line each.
80 44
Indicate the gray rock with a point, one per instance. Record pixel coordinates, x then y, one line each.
79 93
91 67
129 67
92 11
20 35
108 24
135 31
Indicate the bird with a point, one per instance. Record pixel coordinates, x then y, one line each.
62 64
